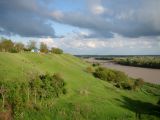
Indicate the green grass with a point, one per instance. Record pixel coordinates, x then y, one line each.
87 97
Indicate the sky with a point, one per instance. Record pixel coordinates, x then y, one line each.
101 27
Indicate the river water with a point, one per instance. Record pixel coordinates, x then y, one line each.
148 74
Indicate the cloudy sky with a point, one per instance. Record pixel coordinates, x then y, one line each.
85 26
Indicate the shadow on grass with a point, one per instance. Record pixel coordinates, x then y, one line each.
140 108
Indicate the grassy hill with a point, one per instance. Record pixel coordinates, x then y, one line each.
87 97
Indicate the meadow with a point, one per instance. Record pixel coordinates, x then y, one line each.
86 97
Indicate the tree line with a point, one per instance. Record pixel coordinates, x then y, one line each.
7 45
147 61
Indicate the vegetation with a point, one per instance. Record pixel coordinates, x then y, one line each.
90 69
149 62
30 94
31 45
57 50
87 98
95 64
117 78
19 47
43 48
7 45
158 102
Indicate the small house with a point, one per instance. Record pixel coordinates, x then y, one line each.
35 50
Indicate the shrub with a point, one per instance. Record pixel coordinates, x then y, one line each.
128 84
53 85
118 85
14 95
101 73
90 69
57 50
105 74
112 76
26 49
95 64
118 78
64 91
158 102
139 82
38 89
14 50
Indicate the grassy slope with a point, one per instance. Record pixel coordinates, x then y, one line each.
87 97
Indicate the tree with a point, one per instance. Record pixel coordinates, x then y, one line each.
32 44
57 50
6 45
43 48
19 46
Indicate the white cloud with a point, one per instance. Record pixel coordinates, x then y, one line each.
49 42
125 15
116 45
84 33
98 9
57 14
91 44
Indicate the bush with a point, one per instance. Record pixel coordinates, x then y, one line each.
105 74
53 85
127 85
139 82
14 50
118 78
101 73
158 102
57 50
90 69
95 64
26 49
14 95
37 90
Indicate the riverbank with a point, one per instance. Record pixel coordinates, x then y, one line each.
148 74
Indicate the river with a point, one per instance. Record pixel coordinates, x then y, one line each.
148 74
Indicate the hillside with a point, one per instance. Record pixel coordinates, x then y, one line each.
86 98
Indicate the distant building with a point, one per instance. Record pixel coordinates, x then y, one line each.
35 50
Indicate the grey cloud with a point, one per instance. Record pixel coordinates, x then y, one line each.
99 26
23 17
130 18
126 17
